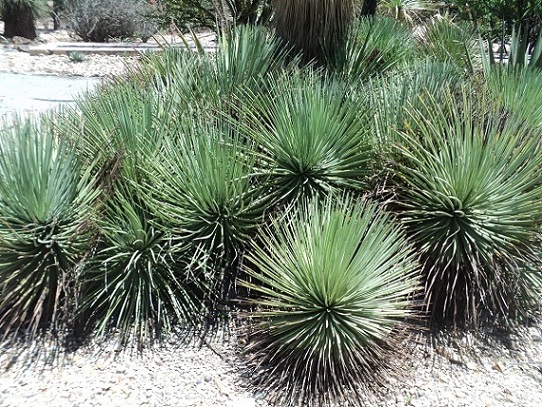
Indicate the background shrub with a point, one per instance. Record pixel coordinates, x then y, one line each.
493 17
104 20
214 14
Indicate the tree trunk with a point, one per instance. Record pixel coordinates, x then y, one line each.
58 7
56 19
18 21
314 28
369 7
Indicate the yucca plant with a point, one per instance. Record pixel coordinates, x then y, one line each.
518 90
332 286
469 194
19 16
135 282
373 46
520 54
205 84
246 57
448 41
201 189
118 126
310 139
46 206
389 99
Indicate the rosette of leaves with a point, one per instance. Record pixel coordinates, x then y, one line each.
332 285
447 41
46 202
202 190
469 194
135 283
311 138
373 46
205 83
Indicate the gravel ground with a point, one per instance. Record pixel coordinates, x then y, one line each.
15 59
449 370
457 370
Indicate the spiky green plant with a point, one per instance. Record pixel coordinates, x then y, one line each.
205 83
469 195
518 90
201 189
118 126
389 99
448 41
46 202
310 138
333 284
135 282
373 46
313 28
246 56
520 54
76 57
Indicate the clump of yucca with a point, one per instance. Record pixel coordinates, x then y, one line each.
333 285
46 206
135 282
201 189
469 194
309 139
